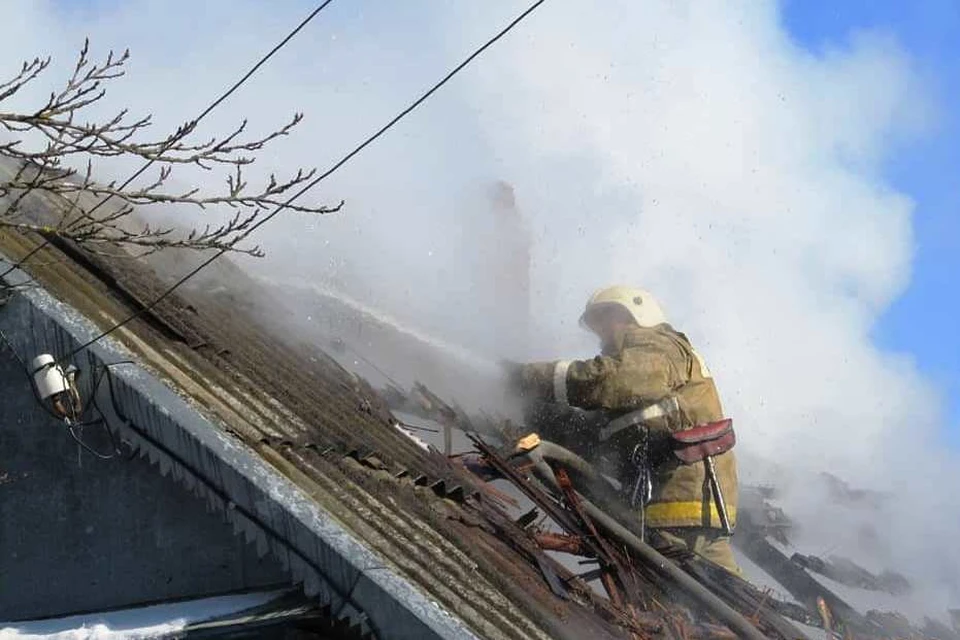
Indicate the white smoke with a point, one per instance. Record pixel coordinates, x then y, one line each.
688 147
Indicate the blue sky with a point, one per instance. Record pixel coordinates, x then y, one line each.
926 320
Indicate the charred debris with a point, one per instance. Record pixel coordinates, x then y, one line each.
647 592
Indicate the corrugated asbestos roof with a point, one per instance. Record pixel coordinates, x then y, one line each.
373 531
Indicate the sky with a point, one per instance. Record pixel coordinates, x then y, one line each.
923 320
779 175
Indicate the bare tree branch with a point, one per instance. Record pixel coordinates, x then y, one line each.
61 136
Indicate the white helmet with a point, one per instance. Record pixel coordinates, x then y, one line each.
640 304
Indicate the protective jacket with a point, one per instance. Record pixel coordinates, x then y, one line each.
649 367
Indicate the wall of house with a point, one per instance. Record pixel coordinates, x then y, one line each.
78 533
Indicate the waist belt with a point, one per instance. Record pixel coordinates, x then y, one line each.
666 407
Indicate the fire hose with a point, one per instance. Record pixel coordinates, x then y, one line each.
548 451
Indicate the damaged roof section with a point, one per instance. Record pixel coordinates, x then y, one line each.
849 573
842 594
800 591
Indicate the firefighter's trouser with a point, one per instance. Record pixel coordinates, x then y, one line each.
711 544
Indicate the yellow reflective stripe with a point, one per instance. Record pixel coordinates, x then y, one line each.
687 512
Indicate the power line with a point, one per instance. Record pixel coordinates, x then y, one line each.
363 145
188 128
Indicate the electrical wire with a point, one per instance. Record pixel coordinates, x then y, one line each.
363 145
188 128
75 428
76 431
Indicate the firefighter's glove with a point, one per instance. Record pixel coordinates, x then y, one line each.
527 443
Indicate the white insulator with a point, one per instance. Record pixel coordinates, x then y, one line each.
48 376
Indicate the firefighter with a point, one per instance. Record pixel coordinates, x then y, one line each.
646 368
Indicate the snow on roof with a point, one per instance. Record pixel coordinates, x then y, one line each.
155 621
